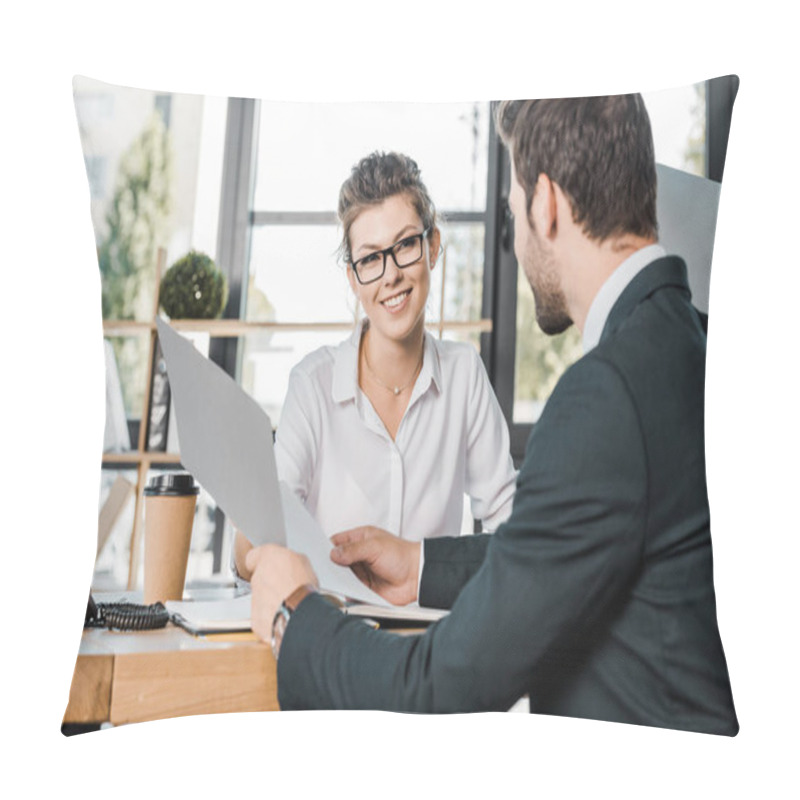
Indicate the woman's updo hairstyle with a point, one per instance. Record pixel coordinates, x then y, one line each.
372 180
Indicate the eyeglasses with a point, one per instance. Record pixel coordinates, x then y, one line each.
404 253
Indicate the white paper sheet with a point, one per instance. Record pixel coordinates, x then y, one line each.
226 443
225 439
305 536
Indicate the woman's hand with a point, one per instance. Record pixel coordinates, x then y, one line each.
241 547
385 563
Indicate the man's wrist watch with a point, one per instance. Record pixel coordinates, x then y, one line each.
284 613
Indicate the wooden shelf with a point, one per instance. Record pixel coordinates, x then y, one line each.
134 457
230 328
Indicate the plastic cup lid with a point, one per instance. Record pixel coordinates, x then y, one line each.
172 484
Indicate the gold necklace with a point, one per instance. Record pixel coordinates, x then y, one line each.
395 390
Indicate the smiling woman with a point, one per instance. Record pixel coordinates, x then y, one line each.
392 286
392 427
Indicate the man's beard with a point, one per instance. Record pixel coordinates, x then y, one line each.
551 305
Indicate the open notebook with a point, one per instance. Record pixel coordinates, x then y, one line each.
233 615
225 441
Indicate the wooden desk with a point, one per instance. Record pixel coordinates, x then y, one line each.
133 677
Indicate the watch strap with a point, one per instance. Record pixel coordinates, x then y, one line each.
284 613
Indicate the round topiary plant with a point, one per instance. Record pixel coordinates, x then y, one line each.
193 288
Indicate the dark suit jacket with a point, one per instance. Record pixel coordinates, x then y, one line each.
596 597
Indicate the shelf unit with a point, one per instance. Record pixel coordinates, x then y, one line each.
143 459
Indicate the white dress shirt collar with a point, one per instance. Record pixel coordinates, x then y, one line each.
345 369
611 290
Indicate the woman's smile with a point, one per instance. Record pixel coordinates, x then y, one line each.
397 302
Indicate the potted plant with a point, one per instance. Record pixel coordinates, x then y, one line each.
193 288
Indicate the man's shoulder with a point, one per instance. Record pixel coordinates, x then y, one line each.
657 300
643 378
663 330
584 382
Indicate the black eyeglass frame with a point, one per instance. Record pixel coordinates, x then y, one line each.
390 251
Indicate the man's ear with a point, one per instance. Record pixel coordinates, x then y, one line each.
544 208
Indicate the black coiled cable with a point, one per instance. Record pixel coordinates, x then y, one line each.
126 616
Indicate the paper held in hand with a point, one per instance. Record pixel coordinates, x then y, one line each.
304 536
225 441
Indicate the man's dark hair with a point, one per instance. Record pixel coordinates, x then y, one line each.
599 150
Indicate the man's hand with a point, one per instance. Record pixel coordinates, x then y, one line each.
386 564
275 573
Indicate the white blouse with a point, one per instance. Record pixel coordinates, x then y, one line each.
334 452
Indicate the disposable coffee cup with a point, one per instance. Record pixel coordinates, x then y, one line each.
169 503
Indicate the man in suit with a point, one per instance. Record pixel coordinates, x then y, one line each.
596 597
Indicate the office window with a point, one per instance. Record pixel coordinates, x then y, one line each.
154 164
306 150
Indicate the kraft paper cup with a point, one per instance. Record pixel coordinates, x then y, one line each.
169 506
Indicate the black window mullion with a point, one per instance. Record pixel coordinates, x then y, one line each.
233 242
490 246
233 245
500 292
720 94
